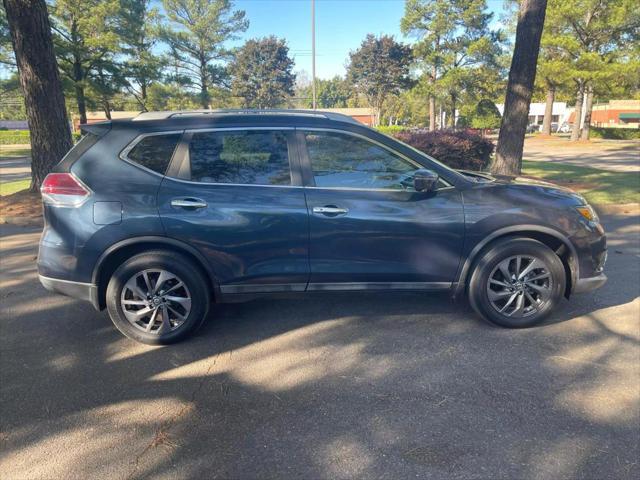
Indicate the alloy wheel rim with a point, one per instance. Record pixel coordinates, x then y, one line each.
520 286
155 301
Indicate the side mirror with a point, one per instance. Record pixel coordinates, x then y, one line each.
425 180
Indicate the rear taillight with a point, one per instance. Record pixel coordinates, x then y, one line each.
64 190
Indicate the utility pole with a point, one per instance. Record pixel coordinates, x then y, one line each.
313 52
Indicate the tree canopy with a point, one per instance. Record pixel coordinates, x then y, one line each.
262 73
456 50
196 35
379 68
86 42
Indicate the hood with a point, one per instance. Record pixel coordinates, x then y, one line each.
525 183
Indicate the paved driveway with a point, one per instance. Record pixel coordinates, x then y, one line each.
393 386
615 156
14 168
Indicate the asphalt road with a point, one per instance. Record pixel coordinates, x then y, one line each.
368 386
14 168
614 156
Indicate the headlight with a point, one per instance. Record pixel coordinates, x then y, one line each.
588 213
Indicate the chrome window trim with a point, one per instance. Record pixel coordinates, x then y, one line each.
300 186
124 154
363 189
231 184
375 142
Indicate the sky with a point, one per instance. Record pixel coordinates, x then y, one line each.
341 25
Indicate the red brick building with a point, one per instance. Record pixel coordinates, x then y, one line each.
615 114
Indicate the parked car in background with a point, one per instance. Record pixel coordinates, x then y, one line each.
154 217
532 128
564 128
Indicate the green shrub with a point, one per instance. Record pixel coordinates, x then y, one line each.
615 133
14 137
391 129
19 137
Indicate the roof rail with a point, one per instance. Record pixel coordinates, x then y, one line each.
163 115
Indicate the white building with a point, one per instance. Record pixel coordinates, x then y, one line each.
559 113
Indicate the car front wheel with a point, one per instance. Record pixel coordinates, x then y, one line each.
157 297
517 283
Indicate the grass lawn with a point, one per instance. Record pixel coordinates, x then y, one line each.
597 186
13 187
14 151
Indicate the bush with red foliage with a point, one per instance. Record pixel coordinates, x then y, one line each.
462 149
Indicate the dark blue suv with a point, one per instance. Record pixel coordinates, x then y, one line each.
155 217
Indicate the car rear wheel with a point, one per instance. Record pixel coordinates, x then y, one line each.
517 283
157 297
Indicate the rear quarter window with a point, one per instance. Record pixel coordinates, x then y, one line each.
154 151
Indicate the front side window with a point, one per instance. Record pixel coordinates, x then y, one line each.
341 160
155 151
248 158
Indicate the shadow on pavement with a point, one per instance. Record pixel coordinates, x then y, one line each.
334 386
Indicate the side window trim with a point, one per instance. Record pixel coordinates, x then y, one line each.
183 171
307 169
124 154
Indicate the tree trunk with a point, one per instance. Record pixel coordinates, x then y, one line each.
575 131
522 75
587 114
432 113
81 101
107 109
204 90
44 101
548 111
143 95
453 112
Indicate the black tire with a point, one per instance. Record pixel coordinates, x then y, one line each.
503 250
196 289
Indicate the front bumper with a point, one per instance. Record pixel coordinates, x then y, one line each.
82 291
589 284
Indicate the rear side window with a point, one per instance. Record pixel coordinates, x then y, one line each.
247 158
155 151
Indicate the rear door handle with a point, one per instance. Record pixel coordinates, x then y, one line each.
330 210
188 203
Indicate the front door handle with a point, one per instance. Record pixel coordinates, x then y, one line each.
188 203
330 210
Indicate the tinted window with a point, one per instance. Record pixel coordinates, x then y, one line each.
249 158
340 160
154 151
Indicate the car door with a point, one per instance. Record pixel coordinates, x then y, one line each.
238 199
369 228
